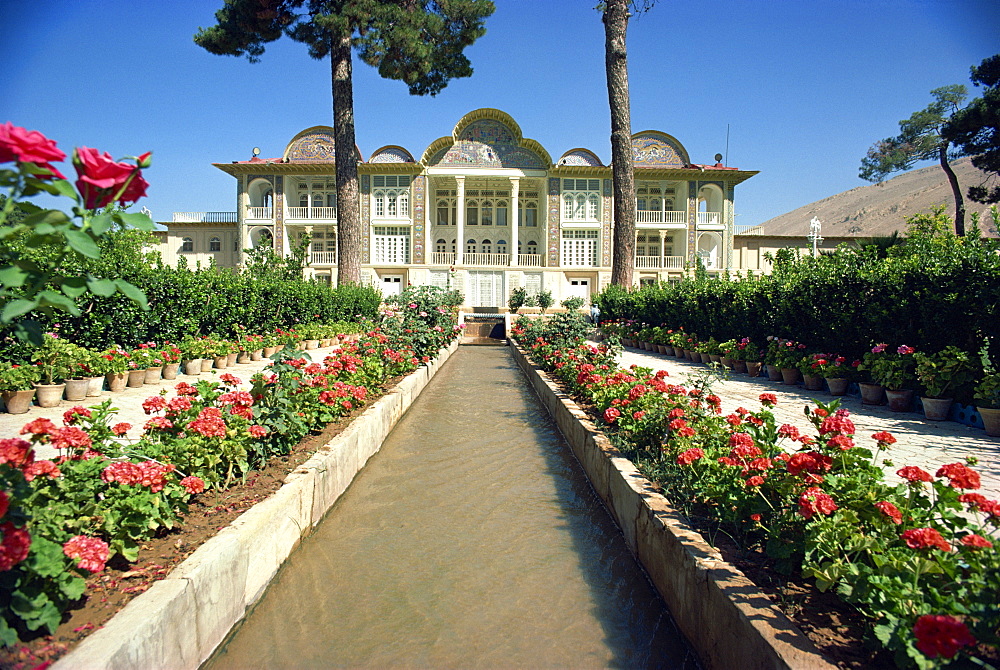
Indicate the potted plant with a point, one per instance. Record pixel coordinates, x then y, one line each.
116 362
811 377
941 374
170 354
987 395
17 386
96 368
834 369
55 364
893 371
750 355
785 356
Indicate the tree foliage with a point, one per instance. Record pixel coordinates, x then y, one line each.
976 129
921 137
419 42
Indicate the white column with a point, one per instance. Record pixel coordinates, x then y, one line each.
663 258
242 202
515 185
460 220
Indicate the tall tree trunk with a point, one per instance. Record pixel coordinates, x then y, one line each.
955 189
616 64
349 231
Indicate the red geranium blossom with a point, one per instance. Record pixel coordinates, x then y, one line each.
815 500
92 552
809 461
39 468
914 474
16 451
884 437
690 456
611 414
120 429
193 484
891 511
925 538
959 476
976 541
941 635
768 399
40 426
756 480
14 545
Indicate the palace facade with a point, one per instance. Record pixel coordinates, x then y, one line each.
484 210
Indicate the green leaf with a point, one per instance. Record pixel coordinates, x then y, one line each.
12 276
16 308
83 243
43 218
74 287
101 224
101 287
7 634
133 293
58 300
65 188
133 220
29 330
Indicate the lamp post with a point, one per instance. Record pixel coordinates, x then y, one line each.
814 235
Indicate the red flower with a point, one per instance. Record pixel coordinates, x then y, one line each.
158 423
184 388
884 438
193 484
611 414
976 541
815 500
690 456
809 461
891 511
40 426
740 440
756 480
837 424
914 474
941 635
959 476
760 464
230 379
755 517
39 468
638 415
29 146
842 442
120 429
257 431
768 399
14 546
16 451
101 180
820 412
69 416
4 504
789 431
924 538
92 552
154 403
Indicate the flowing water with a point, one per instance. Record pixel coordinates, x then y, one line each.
471 540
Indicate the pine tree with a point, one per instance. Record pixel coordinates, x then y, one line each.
419 42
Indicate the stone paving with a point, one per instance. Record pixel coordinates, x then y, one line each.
928 444
129 401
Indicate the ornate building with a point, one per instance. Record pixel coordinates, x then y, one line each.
483 210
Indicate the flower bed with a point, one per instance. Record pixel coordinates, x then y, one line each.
103 497
917 552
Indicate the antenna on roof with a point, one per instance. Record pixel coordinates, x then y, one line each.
727 145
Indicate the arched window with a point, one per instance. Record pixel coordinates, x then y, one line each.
501 246
528 216
440 246
486 214
391 196
472 213
445 212
470 247
532 247
187 244
581 200
486 247
215 244
501 213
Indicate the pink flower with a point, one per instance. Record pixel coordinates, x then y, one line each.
92 552
29 146
905 350
879 348
193 485
101 180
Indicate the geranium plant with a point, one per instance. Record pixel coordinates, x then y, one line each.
28 283
828 366
943 372
893 370
14 377
54 358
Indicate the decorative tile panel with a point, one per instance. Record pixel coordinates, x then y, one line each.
580 157
392 155
607 212
366 221
692 208
419 191
554 237
654 149
279 213
487 143
315 147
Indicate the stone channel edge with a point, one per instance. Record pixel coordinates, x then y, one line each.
725 617
178 623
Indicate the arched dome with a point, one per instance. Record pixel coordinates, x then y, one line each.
486 138
580 157
314 145
653 149
391 153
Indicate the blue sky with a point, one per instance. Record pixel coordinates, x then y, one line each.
805 87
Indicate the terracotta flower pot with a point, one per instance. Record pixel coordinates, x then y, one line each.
153 375
206 363
193 366
900 400
753 368
243 357
705 358
221 362
812 382
116 381
76 389
49 395
773 373
838 385
18 402
170 370
990 416
715 358
872 394
789 376
937 409
95 387
326 342
692 356
312 344
269 351
728 362
136 378
739 366
257 355
231 358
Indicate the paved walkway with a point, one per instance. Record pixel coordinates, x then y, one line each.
928 444
129 402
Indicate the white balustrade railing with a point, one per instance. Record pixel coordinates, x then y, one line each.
442 258
323 258
488 260
312 213
259 213
709 218
659 262
204 217
529 260
649 216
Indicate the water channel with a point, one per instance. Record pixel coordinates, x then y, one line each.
472 540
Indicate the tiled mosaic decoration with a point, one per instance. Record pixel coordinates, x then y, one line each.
365 217
392 155
487 143
313 148
554 236
419 188
652 149
580 157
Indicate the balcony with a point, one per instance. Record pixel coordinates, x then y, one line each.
673 218
710 220
323 258
441 258
260 213
311 213
529 260
204 217
659 262
487 260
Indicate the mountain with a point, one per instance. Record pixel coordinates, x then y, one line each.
879 209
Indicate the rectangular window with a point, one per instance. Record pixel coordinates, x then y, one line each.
391 244
579 248
581 200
